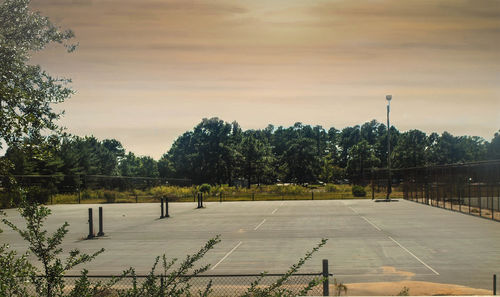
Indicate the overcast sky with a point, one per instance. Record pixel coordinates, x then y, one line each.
148 70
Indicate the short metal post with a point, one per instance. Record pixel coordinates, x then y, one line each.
201 200
253 196
161 202
91 225
494 284
220 197
166 208
312 195
79 196
101 232
136 200
326 283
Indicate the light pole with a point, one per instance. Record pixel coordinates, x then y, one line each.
389 189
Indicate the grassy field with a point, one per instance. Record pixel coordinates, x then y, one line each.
218 193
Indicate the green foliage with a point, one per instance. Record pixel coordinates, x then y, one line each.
358 191
171 282
204 188
110 196
26 91
14 271
46 249
276 289
330 188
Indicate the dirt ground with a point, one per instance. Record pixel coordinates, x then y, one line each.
416 288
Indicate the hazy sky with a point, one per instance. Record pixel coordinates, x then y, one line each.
148 70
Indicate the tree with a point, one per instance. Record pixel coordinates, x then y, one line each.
27 92
361 157
494 147
410 150
256 158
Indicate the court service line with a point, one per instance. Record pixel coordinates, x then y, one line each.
274 211
227 255
374 226
430 268
353 210
263 221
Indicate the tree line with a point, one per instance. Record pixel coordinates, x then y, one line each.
218 152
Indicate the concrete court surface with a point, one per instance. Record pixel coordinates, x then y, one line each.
368 241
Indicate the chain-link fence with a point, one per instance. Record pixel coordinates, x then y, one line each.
218 285
472 188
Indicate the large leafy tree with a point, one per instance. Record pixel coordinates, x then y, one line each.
411 149
27 92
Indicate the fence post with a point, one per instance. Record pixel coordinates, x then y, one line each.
326 283
373 190
312 195
253 196
479 194
136 198
79 195
220 197
161 202
101 232
494 284
91 225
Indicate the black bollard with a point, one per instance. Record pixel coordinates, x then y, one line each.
201 200
100 233
166 208
220 197
161 202
91 225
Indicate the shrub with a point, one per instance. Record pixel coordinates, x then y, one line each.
205 188
110 196
331 188
45 248
358 191
38 194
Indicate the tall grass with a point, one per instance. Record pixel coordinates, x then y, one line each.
224 192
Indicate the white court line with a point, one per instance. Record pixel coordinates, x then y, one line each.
353 210
227 255
282 203
374 226
274 211
414 255
259 225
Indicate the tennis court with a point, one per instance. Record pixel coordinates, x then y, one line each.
368 241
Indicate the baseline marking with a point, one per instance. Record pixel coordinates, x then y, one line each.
263 221
282 203
374 226
227 255
274 211
430 268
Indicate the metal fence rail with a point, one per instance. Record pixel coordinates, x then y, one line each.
221 285
472 188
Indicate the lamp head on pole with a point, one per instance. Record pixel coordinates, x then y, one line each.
388 97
